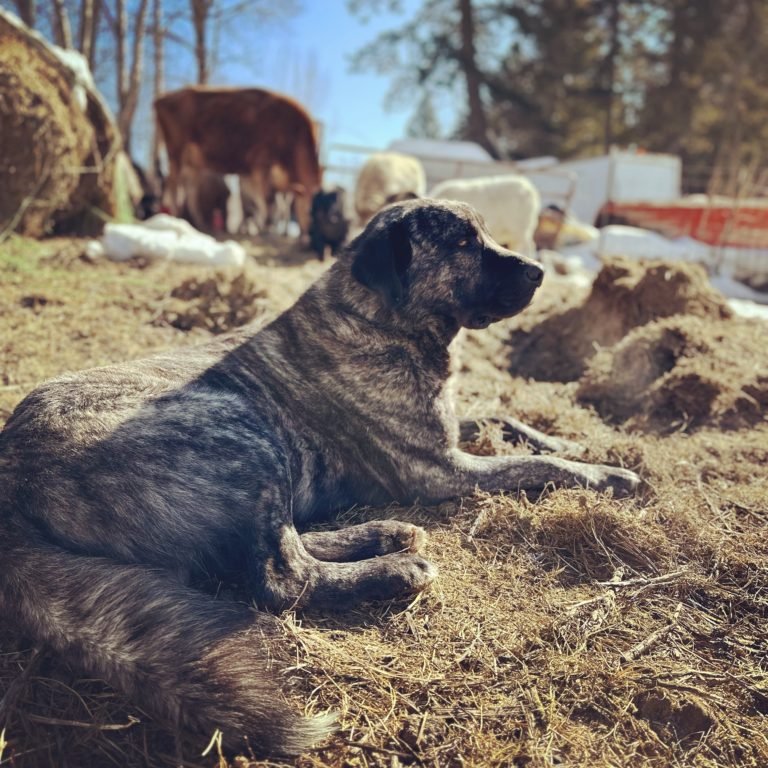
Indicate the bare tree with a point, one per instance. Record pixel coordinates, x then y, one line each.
214 18
90 12
158 45
62 31
121 33
201 10
27 12
129 76
436 49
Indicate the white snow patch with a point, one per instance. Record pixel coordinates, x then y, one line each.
721 263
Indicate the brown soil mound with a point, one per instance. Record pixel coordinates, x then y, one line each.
218 303
626 294
680 373
55 157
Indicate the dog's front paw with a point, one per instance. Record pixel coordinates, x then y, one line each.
417 539
416 573
397 536
403 575
622 481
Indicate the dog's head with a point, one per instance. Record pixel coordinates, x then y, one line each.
435 258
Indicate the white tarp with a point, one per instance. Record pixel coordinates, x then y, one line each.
167 238
622 176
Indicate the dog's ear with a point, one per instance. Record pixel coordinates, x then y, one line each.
381 260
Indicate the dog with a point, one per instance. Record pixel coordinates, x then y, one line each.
124 487
329 226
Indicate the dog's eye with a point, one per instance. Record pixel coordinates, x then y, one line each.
469 241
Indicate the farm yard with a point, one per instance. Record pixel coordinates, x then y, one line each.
571 629
175 171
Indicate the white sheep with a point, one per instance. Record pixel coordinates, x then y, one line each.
510 205
384 178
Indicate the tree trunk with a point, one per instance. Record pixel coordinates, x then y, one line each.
98 9
27 12
132 80
614 17
62 30
729 157
85 37
121 34
158 43
200 11
477 125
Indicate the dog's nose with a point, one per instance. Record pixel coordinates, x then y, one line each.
534 274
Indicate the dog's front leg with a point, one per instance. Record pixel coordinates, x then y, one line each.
364 541
516 431
462 473
286 570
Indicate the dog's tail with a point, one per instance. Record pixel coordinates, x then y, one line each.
197 663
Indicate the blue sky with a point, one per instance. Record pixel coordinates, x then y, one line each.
308 57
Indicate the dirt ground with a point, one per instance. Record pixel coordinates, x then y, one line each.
572 629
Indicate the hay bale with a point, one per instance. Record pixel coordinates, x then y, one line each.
57 140
682 372
626 294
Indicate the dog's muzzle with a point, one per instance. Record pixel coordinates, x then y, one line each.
512 280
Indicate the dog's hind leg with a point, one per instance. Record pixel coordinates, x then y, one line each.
516 431
194 662
360 542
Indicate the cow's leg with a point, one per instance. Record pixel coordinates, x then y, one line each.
281 216
170 193
281 198
302 202
192 180
249 225
258 190
192 167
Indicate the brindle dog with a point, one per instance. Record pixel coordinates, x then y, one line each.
121 487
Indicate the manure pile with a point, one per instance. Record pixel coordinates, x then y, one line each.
573 629
217 304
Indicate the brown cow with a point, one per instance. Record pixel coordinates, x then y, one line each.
248 131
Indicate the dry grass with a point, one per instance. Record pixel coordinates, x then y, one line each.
573 630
